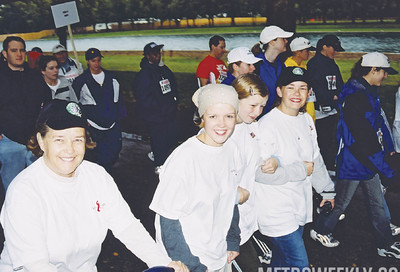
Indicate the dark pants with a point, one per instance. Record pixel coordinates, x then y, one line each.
108 146
345 190
248 258
163 138
326 130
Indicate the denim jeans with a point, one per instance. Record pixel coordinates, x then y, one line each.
372 191
14 157
289 250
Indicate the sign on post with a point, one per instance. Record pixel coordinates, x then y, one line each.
66 14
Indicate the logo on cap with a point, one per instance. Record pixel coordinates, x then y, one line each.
73 108
297 71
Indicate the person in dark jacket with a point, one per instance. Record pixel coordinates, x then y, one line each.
326 81
366 153
22 95
98 92
58 85
155 90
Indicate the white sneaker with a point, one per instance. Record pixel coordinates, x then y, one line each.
326 240
395 229
392 252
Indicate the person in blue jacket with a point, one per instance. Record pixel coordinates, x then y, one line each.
326 82
240 61
98 92
273 40
366 155
156 94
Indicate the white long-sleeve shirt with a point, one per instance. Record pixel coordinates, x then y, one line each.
286 202
54 223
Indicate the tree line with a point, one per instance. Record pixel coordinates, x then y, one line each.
35 15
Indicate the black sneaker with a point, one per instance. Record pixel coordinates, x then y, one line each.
392 252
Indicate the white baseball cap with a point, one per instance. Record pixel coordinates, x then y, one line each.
242 54
379 60
270 33
58 48
301 43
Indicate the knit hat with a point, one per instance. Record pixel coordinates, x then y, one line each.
62 114
212 94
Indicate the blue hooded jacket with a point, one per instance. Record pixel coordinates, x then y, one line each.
364 140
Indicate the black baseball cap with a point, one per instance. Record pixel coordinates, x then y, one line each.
92 53
330 40
292 74
152 47
61 114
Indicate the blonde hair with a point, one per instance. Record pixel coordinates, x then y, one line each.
249 84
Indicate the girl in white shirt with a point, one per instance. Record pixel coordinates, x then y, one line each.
284 202
195 198
253 95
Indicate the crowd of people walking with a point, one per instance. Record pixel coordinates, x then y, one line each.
274 130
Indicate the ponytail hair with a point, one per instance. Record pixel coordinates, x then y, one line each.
359 71
259 48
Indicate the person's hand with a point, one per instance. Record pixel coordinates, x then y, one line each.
243 195
178 266
232 255
335 97
310 167
1 137
332 201
269 166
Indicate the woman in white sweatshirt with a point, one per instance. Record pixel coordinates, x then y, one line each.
284 198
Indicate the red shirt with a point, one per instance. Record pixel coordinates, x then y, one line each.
214 70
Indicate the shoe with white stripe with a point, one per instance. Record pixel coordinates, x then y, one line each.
395 229
392 252
267 253
326 240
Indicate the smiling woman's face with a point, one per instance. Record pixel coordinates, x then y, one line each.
294 96
219 121
63 150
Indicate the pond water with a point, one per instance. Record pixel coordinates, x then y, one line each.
352 42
